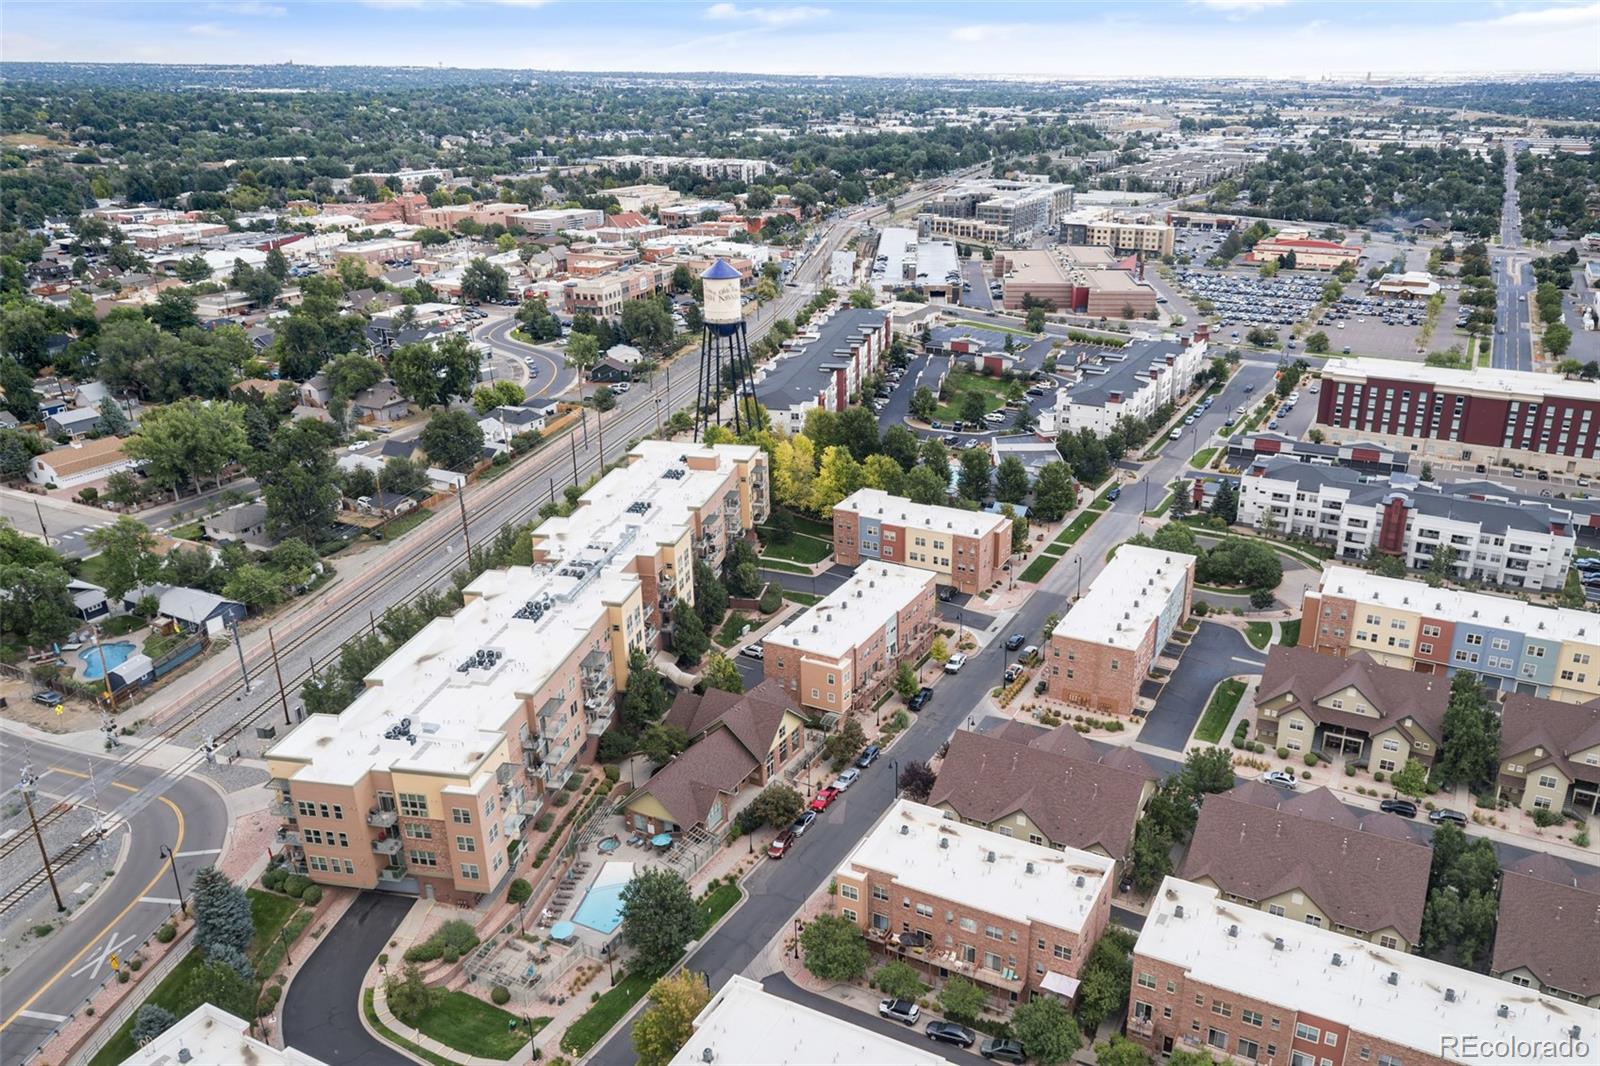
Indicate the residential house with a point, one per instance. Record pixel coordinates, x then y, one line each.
75 464
191 609
1550 754
1547 937
244 523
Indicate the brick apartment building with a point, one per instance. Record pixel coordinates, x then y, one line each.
1238 984
460 737
1017 919
1102 648
965 548
844 650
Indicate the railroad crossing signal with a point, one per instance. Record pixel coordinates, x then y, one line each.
116 961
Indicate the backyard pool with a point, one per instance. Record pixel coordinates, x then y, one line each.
96 661
601 909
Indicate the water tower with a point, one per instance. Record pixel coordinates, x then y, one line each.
724 352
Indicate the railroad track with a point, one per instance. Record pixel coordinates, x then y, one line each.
19 892
23 837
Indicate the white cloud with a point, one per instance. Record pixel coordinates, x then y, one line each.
1545 17
210 29
1242 7
983 33
249 8
766 16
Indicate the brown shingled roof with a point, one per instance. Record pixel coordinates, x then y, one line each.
1366 879
1561 729
1552 929
753 717
1075 802
689 784
1395 694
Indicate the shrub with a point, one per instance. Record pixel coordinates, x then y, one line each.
1261 599
150 1022
560 799
273 879
1349 771
1545 819
613 773
1305 775
451 956
572 783
167 933
1311 758
544 822
43 930
136 964
1377 775
519 891
312 895
295 885
1582 839
1237 743
1258 747
269 1000
500 995
1283 753
1200 609
771 598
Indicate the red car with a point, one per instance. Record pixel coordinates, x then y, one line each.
824 797
781 844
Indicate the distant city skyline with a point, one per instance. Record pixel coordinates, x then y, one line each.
1091 40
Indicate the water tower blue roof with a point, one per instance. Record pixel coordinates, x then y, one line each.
720 271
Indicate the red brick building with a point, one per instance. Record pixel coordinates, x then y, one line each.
966 549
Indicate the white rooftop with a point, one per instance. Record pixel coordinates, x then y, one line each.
1414 1011
1025 882
875 503
1126 597
744 1025
1480 608
1519 384
855 610
213 1037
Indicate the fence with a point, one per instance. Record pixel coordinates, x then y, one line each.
113 1020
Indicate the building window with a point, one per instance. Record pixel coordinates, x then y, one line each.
418 832
849 914
423 858
1251 1017
1217 1038
849 892
1331 1039
1302 1031
994 932
1546 781
461 815
1147 980
469 871
1273 908
1248 1048
1387 941
465 843
413 805
880 893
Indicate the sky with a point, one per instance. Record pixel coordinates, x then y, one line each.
1089 39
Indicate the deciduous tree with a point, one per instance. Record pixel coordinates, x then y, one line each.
834 949
659 918
666 1026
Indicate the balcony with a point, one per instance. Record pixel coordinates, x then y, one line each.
530 808
1141 1027
530 742
596 687
392 873
601 721
386 845
382 819
284 809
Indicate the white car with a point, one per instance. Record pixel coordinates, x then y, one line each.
954 665
1281 778
621 386
843 782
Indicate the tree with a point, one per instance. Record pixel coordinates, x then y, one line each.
221 911
659 918
37 609
838 477
976 472
403 477
582 353
537 321
834 949
151 1021
973 408
1120 1051
1036 320
660 742
906 682
899 980
721 673
486 398
645 699
962 1001
862 298
1470 746
173 311
277 264
916 780
113 420
1207 770
1317 343
452 439
234 959
925 487
1011 480
648 326
300 481
1442 567
1053 493
924 404
777 805
1458 920
1103 987
1047 1030
900 444
429 373
189 440
483 280
16 381
666 1026
689 637
1411 780
1182 497
845 742
1225 504
408 995
18 447
192 270
126 549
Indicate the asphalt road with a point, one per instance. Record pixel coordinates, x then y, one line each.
1216 652
977 295
1513 348
43 987
322 1012
551 376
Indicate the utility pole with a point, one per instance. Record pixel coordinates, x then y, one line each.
600 429
172 857
461 498
276 669
28 784
572 439
238 646
42 531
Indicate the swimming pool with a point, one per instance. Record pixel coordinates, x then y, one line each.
601 909
96 661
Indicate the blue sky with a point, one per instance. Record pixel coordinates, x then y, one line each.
1278 38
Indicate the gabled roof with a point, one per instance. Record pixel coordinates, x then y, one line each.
1312 678
1366 879
1561 729
752 717
1074 800
1552 929
689 784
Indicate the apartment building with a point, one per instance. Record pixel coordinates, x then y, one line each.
1309 858
1000 209
1511 646
409 179
1017 919
689 212
379 250
1048 275
592 262
640 197
1254 449
460 736
1309 253
1546 937
1102 648
823 366
1047 786
1484 417
490 213
546 221
1350 707
1215 977
1525 543
1107 384
843 650
1550 754
1102 228
966 549
663 166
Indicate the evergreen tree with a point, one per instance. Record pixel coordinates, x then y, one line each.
151 1022
221 912
689 638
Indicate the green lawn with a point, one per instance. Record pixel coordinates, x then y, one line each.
998 329
718 902
729 633
158 644
783 567
1077 527
801 548
121 625
395 1038
468 1024
1219 711
1259 634
269 911
399 527
597 1021
806 598
1291 633
191 531
958 384
810 526
1039 567
1202 457
1056 550
1100 502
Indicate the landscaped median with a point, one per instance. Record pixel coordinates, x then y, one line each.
1219 712
1058 547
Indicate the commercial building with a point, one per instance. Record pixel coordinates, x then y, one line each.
640 197
744 1024
1484 417
1212 976
1101 228
1017 919
546 221
1550 755
489 213
1309 253
1351 708
460 737
379 250
714 168
999 209
1309 858
1050 787
905 262
843 651
1510 645
1524 543
1106 384
688 212
1254 449
823 366
1101 649
1048 276
1409 285
966 549
607 294
1547 937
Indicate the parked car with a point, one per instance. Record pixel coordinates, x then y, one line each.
955 663
1281 778
799 826
1445 814
823 798
781 844
1029 652
1015 641
48 698
951 1033
920 700
843 782
1404 808
868 756
945 593
754 651
1176 433
1002 1050
1114 493
1013 672
900 1010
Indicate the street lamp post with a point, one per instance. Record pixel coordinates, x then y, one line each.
1079 561
172 858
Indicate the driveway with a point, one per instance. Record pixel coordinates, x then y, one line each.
1216 652
322 1013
